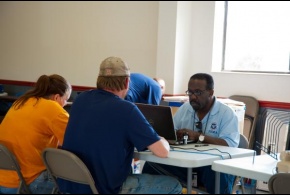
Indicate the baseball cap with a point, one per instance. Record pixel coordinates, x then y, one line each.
114 66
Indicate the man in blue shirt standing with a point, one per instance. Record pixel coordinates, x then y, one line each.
143 89
104 129
204 120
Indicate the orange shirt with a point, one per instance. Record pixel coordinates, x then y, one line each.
26 132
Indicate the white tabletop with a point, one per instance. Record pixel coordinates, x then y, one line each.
189 156
262 168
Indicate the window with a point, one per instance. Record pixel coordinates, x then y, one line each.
252 36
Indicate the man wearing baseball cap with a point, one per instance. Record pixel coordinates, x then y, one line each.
103 131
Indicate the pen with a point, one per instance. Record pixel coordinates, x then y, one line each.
200 145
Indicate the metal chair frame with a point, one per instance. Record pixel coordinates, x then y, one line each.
244 143
279 183
8 161
251 116
68 166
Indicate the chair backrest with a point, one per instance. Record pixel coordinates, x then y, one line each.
244 143
66 165
9 162
279 183
251 116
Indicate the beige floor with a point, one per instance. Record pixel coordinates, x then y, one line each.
262 192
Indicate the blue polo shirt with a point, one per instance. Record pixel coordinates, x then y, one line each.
220 122
143 89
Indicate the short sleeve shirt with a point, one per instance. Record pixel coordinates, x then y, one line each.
220 122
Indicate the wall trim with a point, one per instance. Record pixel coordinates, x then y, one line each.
269 104
262 103
31 84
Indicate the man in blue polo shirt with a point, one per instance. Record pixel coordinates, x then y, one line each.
146 90
205 120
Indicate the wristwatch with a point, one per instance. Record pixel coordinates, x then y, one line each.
201 138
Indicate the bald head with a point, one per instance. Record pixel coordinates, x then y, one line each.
161 83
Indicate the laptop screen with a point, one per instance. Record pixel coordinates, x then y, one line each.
160 118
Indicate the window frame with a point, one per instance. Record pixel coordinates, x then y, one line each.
223 51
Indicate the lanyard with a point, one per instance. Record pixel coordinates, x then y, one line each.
194 123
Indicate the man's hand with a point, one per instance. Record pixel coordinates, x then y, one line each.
192 135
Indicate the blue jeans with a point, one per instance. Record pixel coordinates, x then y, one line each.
41 185
205 176
150 184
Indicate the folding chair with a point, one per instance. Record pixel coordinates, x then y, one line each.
66 165
279 183
244 143
251 116
9 162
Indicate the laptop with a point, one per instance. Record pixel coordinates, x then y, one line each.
160 118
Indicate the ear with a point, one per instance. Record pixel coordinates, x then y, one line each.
55 97
127 82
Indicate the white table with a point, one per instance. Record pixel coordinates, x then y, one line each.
261 168
189 158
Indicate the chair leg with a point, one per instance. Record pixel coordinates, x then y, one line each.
242 185
23 189
235 185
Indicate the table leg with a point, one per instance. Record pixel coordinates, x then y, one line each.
189 180
217 182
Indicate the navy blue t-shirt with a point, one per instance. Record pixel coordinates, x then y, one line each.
143 89
103 130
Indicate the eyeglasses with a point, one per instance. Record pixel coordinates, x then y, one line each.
199 125
195 92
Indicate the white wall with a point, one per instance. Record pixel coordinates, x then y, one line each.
200 43
166 39
71 38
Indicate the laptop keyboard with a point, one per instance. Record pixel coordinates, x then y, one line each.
173 142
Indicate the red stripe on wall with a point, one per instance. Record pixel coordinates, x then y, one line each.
280 105
19 83
30 84
262 103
